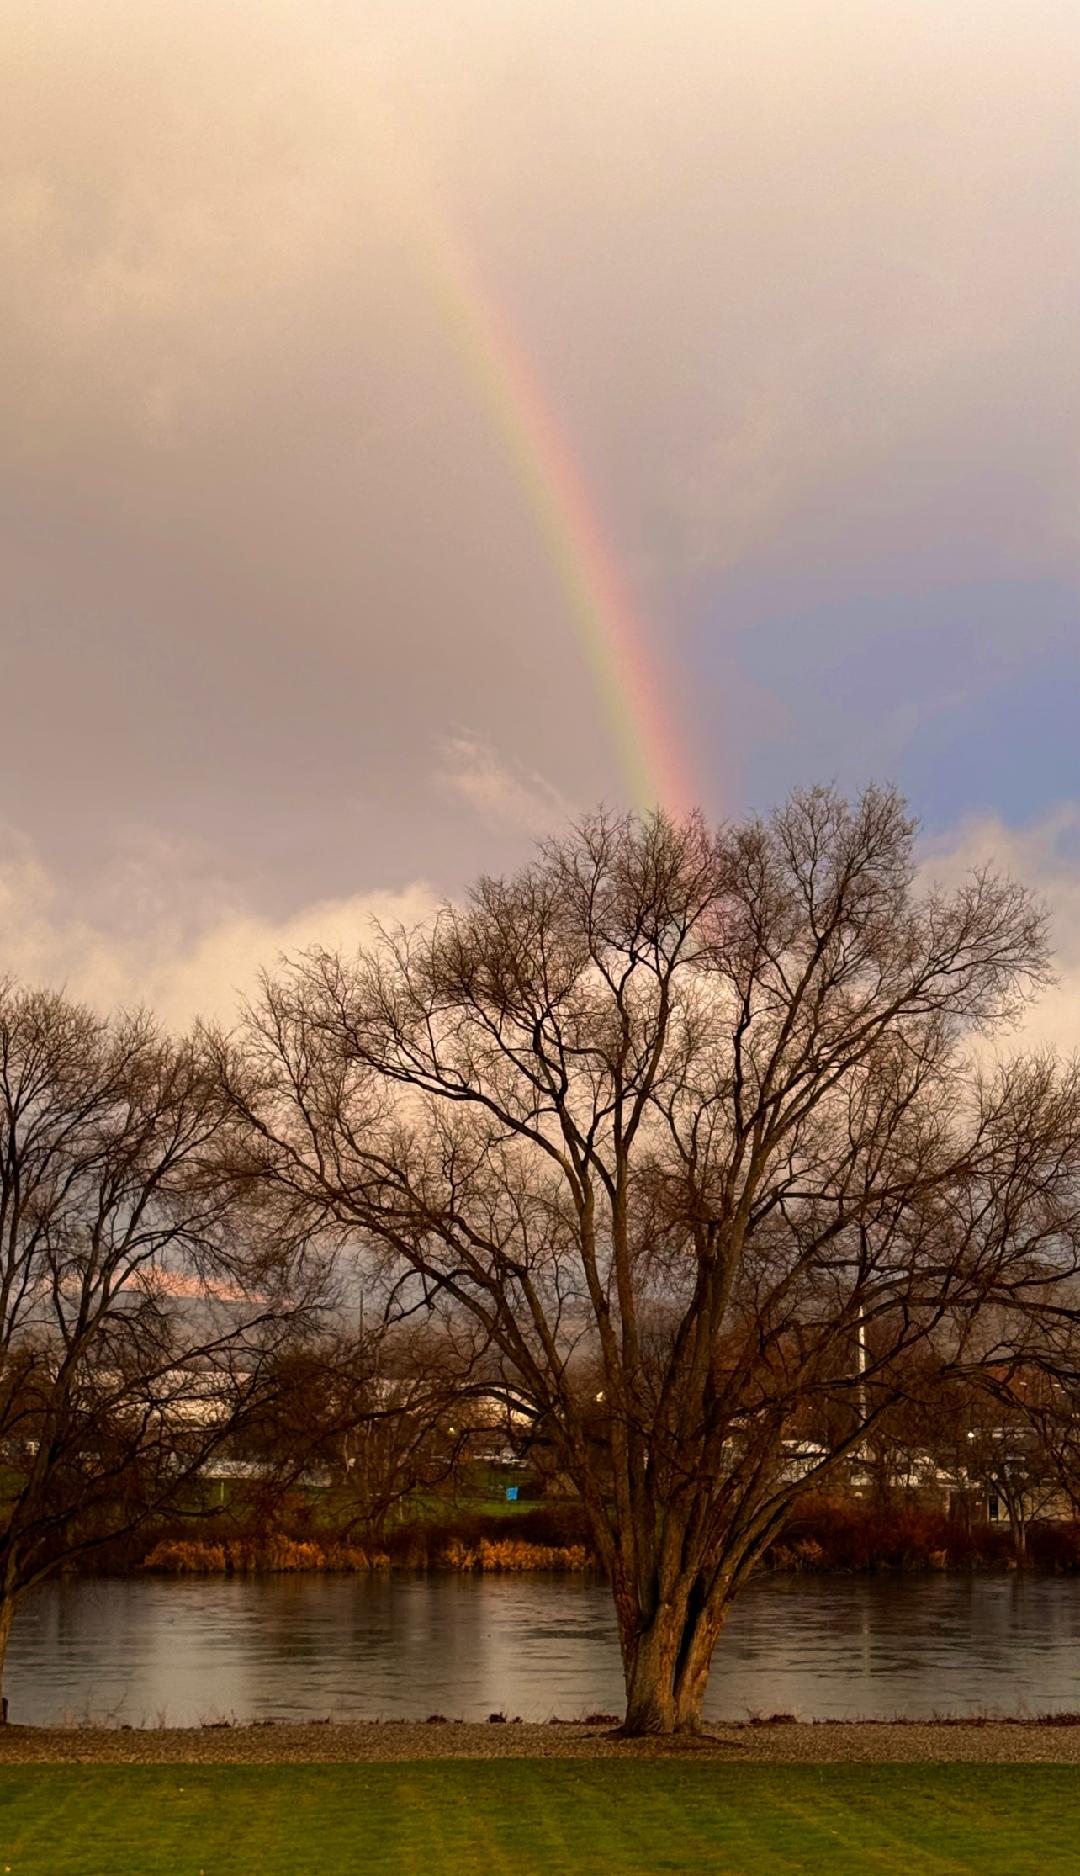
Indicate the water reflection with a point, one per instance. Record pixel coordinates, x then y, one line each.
177 1652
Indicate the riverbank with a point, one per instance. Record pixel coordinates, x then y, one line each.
286 1556
824 1536
1054 1741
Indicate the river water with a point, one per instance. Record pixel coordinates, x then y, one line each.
156 1651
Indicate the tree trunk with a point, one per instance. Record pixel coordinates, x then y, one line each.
692 1673
649 1665
1019 1534
666 1664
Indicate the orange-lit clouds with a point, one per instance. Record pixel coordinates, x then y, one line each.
139 945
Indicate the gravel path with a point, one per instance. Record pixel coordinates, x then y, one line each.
823 1743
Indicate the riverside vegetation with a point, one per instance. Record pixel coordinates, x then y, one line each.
823 1535
181 1557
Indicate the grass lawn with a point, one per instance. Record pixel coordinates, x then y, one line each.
537 1818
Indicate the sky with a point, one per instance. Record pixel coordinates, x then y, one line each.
426 419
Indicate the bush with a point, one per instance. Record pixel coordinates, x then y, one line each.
847 1534
423 1545
178 1557
510 1554
1055 1546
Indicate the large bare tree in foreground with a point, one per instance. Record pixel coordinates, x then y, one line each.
137 1313
687 1123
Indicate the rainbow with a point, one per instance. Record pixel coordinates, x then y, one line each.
614 642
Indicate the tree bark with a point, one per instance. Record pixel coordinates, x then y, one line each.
649 1665
666 1663
1018 1521
692 1672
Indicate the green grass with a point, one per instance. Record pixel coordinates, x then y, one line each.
538 1818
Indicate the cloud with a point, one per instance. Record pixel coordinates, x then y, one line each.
182 954
795 286
166 210
503 795
164 929
1045 857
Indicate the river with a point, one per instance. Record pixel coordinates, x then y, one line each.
155 1651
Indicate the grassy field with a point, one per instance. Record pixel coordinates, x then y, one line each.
533 1818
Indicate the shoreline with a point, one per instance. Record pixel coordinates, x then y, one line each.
809 1742
383 1567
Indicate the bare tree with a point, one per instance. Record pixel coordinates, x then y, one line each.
687 1123
134 1322
1013 1437
382 1414
1051 1406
